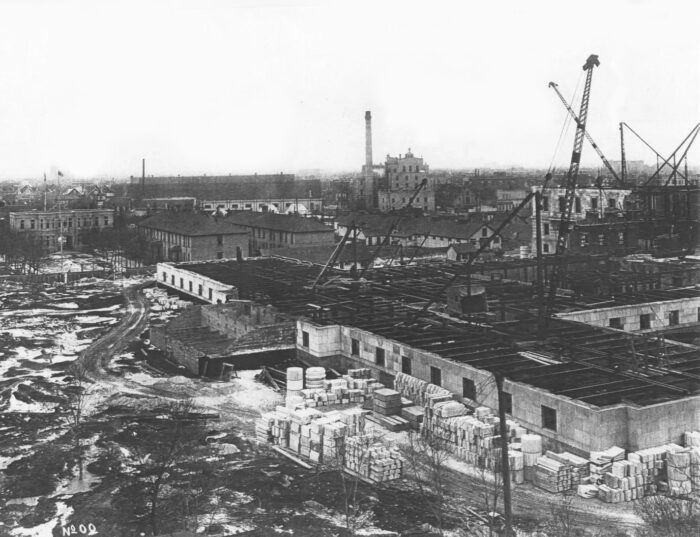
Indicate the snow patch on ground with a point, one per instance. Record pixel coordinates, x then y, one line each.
63 511
249 393
67 306
6 461
34 408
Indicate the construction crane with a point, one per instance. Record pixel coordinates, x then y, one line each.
571 180
612 171
394 225
334 256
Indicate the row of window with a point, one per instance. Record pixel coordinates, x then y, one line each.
549 415
282 236
172 238
645 320
612 204
190 286
410 168
65 222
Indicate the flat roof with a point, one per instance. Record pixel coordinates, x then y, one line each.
594 365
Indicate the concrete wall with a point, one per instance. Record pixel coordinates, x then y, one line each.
688 310
580 427
184 281
238 317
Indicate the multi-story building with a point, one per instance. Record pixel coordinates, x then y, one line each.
270 230
72 224
177 236
403 175
588 202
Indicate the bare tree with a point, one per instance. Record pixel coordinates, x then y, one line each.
158 447
563 522
666 516
78 396
425 456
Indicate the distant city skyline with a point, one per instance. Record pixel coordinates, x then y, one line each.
243 87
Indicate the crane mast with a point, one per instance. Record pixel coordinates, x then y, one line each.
571 180
607 164
623 159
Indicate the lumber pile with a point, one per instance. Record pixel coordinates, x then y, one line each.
578 466
372 460
551 475
601 462
414 416
387 402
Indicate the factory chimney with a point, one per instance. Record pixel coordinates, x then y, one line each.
143 177
368 140
368 190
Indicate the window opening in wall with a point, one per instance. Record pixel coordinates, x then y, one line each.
546 229
165 277
211 293
172 280
355 347
508 402
645 321
182 283
435 376
549 418
468 389
406 365
190 285
199 290
380 358
304 338
673 317
616 322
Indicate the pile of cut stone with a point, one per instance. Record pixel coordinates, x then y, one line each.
354 387
333 438
371 459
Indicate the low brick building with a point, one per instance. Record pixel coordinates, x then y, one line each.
178 236
269 230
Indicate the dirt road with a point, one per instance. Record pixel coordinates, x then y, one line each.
97 355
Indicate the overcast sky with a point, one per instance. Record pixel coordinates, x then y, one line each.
267 86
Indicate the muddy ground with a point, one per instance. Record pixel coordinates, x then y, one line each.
222 483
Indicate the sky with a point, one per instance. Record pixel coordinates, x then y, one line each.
217 87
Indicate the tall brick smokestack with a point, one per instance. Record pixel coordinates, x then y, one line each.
368 187
368 139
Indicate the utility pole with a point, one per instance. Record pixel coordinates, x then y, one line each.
505 466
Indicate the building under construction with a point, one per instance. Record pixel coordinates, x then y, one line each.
582 386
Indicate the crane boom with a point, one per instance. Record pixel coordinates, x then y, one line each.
571 179
612 171
394 225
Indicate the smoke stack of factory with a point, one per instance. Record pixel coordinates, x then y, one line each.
368 186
